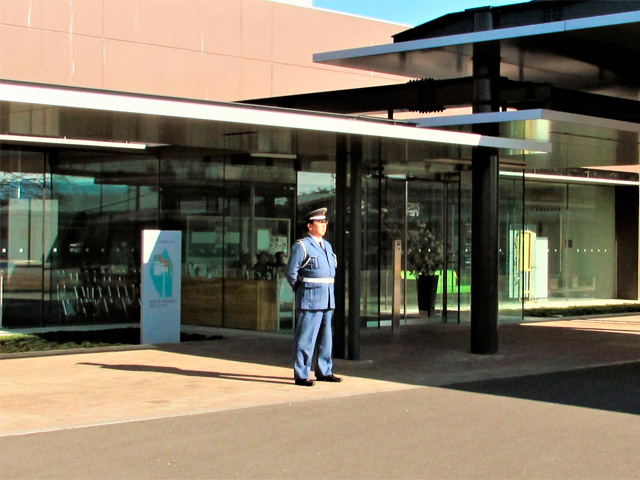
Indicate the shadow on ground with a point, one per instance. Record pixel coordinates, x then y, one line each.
192 373
563 365
614 388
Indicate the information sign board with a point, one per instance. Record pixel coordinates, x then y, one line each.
160 286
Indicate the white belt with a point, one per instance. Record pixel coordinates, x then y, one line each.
318 280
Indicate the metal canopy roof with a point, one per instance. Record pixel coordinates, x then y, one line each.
437 95
595 54
580 141
579 121
112 116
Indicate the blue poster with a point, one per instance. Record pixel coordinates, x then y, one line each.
160 288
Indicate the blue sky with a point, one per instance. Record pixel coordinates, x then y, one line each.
409 12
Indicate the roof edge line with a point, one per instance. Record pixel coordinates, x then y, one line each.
531 114
483 36
235 113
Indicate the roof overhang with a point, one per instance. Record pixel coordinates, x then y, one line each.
604 144
38 96
526 115
592 53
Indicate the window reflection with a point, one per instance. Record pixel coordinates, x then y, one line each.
71 223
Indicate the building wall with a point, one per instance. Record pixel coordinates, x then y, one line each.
216 50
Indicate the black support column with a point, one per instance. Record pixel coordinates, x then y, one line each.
484 253
627 241
355 247
485 197
339 247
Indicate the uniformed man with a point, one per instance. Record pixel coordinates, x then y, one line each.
311 272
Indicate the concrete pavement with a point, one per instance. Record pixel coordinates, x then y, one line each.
560 400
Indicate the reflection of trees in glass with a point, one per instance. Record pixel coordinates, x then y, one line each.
316 183
318 193
23 185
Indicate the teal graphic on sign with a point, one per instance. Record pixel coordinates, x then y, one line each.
161 271
160 292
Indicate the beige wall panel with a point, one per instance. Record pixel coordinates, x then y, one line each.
88 16
82 17
87 56
208 49
300 32
223 29
293 79
257 29
50 57
196 25
215 77
14 12
255 80
171 72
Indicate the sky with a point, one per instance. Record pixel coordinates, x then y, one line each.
408 12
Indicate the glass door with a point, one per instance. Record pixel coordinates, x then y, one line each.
424 216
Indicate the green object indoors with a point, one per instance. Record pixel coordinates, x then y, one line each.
452 281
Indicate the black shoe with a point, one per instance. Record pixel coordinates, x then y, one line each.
328 378
305 382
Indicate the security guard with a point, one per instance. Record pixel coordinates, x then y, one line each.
311 272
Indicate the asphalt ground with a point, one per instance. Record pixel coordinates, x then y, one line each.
560 400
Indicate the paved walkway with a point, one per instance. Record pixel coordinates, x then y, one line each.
573 383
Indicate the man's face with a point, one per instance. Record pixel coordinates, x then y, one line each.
318 228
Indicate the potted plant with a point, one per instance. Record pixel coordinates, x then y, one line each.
425 259
425 253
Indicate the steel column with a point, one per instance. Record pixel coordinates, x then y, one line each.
355 248
485 197
339 247
484 253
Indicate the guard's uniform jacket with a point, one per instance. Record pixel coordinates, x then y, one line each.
311 272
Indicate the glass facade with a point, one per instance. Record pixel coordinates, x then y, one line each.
71 223
581 258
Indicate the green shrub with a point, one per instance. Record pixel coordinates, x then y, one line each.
579 311
22 343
